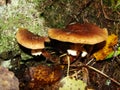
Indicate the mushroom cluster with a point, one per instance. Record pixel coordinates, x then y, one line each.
72 40
79 35
76 35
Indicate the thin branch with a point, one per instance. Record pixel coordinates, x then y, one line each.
118 83
98 71
68 69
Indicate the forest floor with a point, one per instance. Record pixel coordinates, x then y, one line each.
99 75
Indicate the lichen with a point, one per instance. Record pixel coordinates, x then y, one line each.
19 13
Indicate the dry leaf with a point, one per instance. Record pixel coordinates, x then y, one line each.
107 49
44 75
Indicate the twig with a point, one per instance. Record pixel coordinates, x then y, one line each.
90 61
98 71
68 60
118 12
68 69
118 83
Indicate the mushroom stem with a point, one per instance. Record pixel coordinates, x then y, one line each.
76 49
36 52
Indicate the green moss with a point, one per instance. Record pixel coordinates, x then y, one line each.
114 4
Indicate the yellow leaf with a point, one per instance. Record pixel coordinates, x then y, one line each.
107 49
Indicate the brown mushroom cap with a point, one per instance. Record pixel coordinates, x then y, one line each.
30 40
80 33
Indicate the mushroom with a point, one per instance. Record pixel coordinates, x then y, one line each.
80 35
35 43
31 41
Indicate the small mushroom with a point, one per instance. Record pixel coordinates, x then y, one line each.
31 41
79 34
